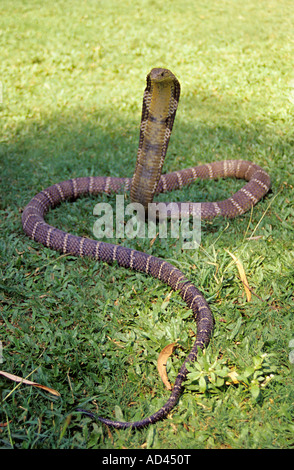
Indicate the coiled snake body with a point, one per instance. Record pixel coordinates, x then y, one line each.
160 103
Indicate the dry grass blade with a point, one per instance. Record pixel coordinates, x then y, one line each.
242 275
15 378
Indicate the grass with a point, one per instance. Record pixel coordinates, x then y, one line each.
72 76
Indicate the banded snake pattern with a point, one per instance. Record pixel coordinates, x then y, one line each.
160 103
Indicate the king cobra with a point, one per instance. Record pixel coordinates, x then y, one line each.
160 103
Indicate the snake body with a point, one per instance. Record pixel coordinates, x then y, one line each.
160 102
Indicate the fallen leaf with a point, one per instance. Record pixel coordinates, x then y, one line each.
242 275
110 435
233 376
3 425
15 378
161 363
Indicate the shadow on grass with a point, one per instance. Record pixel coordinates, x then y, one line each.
77 143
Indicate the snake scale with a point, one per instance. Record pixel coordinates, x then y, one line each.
160 103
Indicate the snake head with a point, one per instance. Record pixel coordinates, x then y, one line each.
160 75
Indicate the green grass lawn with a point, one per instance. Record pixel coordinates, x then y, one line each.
72 81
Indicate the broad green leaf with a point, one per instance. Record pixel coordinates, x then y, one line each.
254 389
202 384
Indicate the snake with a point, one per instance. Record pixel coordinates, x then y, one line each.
160 102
